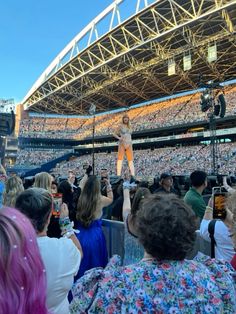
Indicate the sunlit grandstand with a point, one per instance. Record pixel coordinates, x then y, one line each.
134 67
117 170
175 111
154 64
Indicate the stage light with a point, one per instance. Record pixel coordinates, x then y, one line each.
212 53
205 101
187 61
171 67
206 96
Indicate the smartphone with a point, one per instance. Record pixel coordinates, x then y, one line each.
57 202
219 203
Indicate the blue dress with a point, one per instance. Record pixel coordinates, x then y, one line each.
93 243
2 186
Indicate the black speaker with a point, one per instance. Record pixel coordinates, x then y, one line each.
7 123
217 110
222 105
13 122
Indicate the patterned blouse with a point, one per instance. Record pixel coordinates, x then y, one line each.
189 286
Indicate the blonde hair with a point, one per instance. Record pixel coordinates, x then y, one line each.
128 124
43 180
13 188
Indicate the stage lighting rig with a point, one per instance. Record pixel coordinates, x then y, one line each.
206 101
213 98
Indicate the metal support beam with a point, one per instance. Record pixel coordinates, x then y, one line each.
131 45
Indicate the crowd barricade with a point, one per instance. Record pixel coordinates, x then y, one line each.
114 234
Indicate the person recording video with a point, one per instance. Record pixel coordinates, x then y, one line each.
218 229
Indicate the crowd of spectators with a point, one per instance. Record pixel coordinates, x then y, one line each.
179 160
35 157
158 273
171 112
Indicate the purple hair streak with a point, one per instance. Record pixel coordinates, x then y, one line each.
22 274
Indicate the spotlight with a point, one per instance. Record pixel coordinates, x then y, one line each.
205 101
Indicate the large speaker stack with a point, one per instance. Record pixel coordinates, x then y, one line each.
7 123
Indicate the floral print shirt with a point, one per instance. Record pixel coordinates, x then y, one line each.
195 286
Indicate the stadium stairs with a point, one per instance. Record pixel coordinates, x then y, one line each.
26 172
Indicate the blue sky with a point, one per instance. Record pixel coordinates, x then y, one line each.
32 33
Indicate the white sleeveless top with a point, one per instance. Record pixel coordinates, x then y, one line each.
125 133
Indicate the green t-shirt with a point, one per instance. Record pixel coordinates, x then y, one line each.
196 202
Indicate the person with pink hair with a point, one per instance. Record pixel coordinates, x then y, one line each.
22 273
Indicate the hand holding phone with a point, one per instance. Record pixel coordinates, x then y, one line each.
57 202
219 203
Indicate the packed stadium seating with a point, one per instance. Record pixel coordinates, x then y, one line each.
176 160
167 113
32 157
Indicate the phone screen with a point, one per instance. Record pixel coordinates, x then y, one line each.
219 210
57 201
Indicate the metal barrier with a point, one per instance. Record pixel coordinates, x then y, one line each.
114 234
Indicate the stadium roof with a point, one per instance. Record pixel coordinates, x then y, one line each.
129 63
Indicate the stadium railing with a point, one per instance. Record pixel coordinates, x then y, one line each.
114 234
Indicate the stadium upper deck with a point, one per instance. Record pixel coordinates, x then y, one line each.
129 63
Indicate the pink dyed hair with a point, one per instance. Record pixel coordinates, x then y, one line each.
22 275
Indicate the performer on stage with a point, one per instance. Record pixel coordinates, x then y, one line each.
123 134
